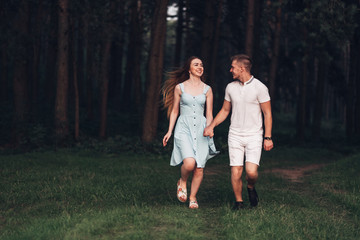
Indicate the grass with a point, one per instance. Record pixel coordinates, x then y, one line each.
82 194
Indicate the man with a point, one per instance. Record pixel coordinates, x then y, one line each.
248 98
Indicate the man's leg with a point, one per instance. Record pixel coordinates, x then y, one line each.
236 172
251 178
252 175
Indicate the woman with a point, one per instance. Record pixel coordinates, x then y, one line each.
186 92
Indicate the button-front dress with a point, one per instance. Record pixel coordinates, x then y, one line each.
189 141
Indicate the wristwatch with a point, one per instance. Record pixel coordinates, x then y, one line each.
267 138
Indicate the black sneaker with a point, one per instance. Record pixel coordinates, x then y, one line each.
238 206
253 197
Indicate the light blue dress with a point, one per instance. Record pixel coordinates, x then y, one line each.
188 136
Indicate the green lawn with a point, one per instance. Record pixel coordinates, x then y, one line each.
82 194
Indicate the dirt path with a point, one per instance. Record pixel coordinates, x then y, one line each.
295 174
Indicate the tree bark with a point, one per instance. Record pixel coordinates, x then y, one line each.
74 56
250 28
301 115
257 57
104 70
207 39
4 74
104 88
155 70
132 85
355 74
179 33
215 47
275 54
350 94
88 67
319 96
61 101
137 57
20 83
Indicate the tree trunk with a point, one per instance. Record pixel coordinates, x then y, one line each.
132 85
275 53
4 75
301 115
250 28
215 47
4 66
355 74
257 57
104 88
207 39
137 58
61 101
75 50
104 70
155 70
350 94
37 29
179 33
20 84
321 73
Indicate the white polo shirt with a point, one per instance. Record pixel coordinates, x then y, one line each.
246 117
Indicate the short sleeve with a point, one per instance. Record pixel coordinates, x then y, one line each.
263 93
227 94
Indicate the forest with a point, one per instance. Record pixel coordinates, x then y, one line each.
76 70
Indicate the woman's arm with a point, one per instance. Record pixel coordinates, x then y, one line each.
209 106
220 117
174 114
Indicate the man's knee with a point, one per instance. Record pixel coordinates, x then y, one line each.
251 170
236 172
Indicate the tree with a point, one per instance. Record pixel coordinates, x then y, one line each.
179 33
61 101
132 84
250 28
108 27
275 52
20 82
155 70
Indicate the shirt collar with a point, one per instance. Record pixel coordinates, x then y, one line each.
247 82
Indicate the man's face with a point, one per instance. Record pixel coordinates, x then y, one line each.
236 69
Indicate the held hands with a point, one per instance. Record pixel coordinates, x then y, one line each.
209 132
166 138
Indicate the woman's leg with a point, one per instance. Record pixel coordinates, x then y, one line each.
187 167
196 181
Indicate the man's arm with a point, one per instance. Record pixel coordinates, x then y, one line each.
220 117
266 109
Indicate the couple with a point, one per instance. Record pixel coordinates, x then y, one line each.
186 93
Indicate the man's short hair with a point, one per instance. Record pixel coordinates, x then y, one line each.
244 59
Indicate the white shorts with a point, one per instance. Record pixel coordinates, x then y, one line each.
249 147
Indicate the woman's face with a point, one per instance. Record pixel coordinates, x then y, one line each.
196 67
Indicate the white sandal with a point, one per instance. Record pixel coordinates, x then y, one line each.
193 204
181 194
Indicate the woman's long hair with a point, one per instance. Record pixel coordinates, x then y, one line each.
174 78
